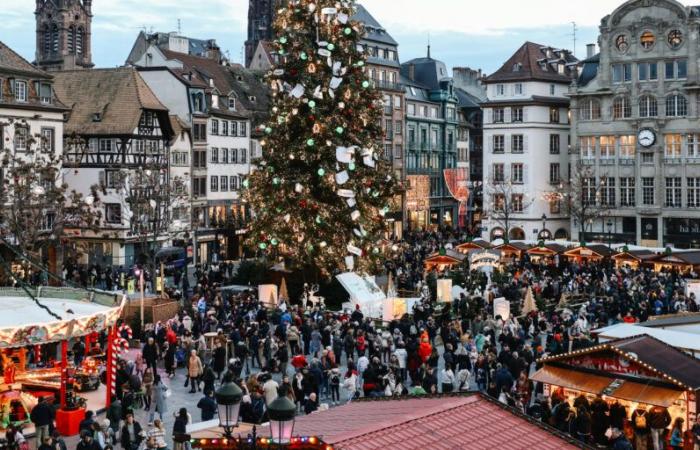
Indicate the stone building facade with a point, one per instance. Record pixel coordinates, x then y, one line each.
634 109
63 34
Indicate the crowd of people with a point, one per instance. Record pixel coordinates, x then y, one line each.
319 358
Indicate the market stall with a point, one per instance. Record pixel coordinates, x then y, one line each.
476 244
35 334
546 253
639 370
588 254
633 259
511 251
445 259
683 262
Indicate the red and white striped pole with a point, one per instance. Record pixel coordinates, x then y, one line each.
112 355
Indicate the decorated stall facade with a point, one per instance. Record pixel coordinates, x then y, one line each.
588 253
35 332
445 259
512 250
683 262
476 244
633 259
546 253
639 371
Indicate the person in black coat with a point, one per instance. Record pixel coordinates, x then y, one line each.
208 405
219 360
131 435
150 353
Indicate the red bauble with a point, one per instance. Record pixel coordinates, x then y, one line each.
312 119
302 203
293 72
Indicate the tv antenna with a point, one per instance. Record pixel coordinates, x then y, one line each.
179 27
574 31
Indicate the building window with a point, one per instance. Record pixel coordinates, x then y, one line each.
21 135
648 71
113 213
499 202
214 155
693 145
693 192
48 139
516 114
588 191
676 106
517 202
518 89
607 147
628 146
499 143
232 103
499 115
398 151
648 191
647 40
622 108
516 173
621 73
554 173
214 127
554 114
214 183
499 173
676 70
500 90
647 158
587 144
607 197
675 38
517 143
554 206
223 183
589 110
224 156
648 106
20 91
552 89
242 156
673 192
224 127
243 129
673 145
554 144
627 191
411 109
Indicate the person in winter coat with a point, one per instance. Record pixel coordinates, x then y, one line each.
676 440
132 433
425 349
219 358
448 379
160 394
194 371
207 405
114 413
42 417
150 353
350 384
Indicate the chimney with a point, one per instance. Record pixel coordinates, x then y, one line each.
412 72
590 50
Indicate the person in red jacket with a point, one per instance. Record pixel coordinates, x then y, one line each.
424 349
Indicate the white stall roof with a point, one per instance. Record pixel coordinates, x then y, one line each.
677 339
16 311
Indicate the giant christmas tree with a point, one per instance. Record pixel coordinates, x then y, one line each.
321 189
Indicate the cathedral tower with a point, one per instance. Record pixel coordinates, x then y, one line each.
261 15
63 34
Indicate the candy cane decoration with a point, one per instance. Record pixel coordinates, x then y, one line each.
112 356
120 345
124 327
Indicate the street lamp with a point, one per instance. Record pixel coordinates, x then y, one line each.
545 235
228 398
281 413
610 226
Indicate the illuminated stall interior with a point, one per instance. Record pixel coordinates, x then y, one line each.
678 261
511 251
588 254
639 370
476 244
545 253
633 259
446 259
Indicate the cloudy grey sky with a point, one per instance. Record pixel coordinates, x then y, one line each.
478 34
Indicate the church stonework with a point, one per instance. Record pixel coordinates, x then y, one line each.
63 34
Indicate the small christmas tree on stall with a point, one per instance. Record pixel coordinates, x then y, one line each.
321 189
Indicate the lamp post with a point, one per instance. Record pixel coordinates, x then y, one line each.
228 398
544 234
610 227
281 413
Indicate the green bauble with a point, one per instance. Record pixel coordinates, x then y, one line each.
312 104
268 130
310 142
365 84
246 183
348 30
339 130
276 181
321 172
303 56
283 40
318 219
351 166
331 47
262 246
274 241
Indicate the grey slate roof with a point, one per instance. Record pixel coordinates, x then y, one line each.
375 31
671 320
466 100
428 71
589 70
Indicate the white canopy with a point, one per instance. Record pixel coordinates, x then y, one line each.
682 341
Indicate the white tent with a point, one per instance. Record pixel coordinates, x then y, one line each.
686 342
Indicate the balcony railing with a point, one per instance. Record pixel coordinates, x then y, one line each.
387 85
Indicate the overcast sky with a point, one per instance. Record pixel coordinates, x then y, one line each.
478 34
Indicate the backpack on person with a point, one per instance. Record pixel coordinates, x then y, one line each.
640 421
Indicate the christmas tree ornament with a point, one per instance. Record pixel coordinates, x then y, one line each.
339 130
312 104
262 246
274 241
365 84
351 166
283 40
330 47
347 31
310 142
276 181
321 172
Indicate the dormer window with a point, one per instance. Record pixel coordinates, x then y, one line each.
97 117
45 93
232 103
20 91
252 98
517 67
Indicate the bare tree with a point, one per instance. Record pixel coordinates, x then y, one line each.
586 197
37 208
503 202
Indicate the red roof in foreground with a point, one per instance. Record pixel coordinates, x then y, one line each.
460 422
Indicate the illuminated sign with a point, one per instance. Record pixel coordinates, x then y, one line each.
418 195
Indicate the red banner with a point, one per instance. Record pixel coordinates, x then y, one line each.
457 183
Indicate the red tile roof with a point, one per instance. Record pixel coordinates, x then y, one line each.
460 422
533 64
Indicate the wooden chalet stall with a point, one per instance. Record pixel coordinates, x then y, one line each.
443 260
634 371
545 253
512 250
679 261
588 254
476 244
633 259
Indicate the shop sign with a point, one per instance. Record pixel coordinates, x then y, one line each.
586 252
484 260
611 365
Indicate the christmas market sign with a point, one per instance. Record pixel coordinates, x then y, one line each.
484 260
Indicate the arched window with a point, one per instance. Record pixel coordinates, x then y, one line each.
71 40
517 234
648 106
621 108
676 106
54 38
589 110
79 41
47 39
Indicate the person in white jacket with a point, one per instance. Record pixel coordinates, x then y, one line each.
402 356
448 379
350 384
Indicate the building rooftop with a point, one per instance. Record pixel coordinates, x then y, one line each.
465 422
375 31
117 96
536 62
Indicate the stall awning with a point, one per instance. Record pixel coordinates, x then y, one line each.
571 379
596 384
643 393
